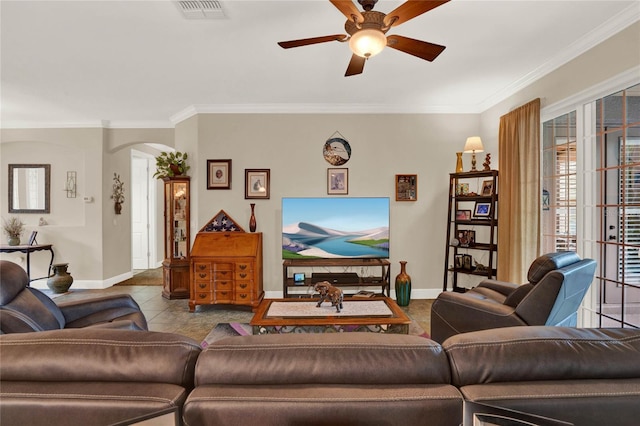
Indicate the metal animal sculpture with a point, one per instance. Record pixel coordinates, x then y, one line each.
330 293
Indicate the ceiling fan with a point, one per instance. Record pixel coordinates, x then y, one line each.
367 32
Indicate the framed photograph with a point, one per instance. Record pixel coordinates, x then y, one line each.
337 181
32 238
467 262
482 209
256 183
458 261
218 174
462 189
406 187
463 214
466 237
487 188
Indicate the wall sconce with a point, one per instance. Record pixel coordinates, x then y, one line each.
473 145
70 185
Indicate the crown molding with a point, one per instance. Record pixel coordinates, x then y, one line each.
607 29
102 124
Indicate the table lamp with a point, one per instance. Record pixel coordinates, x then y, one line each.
473 145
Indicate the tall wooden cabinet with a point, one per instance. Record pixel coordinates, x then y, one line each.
175 266
472 224
226 268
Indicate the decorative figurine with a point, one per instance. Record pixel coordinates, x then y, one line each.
330 293
487 162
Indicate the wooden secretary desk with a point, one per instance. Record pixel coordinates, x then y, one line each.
226 265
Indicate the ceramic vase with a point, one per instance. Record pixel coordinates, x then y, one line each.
60 281
118 208
459 162
252 219
13 241
403 285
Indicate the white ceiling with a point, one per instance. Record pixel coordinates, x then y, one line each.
141 63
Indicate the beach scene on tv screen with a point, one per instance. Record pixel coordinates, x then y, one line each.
335 228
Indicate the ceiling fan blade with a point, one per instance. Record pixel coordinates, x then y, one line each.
348 9
409 10
356 65
313 40
419 48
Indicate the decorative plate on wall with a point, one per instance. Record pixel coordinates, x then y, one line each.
336 151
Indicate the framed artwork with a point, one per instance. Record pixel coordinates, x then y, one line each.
462 189
467 262
466 237
218 174
337 181
256 183
406 187
32 238
487 188
463 214
458 261
482 209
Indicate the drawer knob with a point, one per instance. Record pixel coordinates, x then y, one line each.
243 285
202 267
243 266
202 275
243 296
243 275
202 285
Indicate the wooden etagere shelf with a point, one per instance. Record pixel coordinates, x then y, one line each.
473 206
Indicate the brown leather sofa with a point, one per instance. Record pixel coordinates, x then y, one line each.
24 309
100 377
92 376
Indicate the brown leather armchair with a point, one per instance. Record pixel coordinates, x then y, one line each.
24 309
557 284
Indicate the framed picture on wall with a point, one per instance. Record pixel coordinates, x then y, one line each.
337 181
406 187
256 183
218 174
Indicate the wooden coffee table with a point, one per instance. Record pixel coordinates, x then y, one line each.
327 320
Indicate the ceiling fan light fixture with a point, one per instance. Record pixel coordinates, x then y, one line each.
367 42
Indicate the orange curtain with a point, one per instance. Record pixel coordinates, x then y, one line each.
519 189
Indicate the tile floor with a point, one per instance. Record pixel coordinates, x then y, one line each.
173 315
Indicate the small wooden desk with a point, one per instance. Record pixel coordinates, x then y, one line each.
397 322
28 249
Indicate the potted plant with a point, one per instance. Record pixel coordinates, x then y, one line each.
14 228
118 193
170 164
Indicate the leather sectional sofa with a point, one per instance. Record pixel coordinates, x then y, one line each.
582 376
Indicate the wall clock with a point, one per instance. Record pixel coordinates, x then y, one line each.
336 151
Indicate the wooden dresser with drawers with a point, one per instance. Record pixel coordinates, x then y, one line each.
226 268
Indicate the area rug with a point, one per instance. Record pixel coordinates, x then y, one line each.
224 329
148 277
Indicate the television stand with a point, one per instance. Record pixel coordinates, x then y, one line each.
378 274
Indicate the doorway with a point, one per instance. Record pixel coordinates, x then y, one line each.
143 214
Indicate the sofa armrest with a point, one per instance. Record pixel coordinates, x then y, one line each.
77 309
502 287
100 355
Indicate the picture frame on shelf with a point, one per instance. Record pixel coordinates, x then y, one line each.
458 261
406 187
462 189
466 237
482 209
337 181
467 262
32 238
218 174
487 188
257 183
463 214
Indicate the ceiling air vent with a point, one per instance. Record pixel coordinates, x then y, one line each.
201 9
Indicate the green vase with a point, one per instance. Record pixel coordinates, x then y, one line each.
403 285
14 241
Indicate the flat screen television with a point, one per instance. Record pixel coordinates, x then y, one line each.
335 228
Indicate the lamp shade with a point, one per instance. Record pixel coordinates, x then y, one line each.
367 42
474 144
